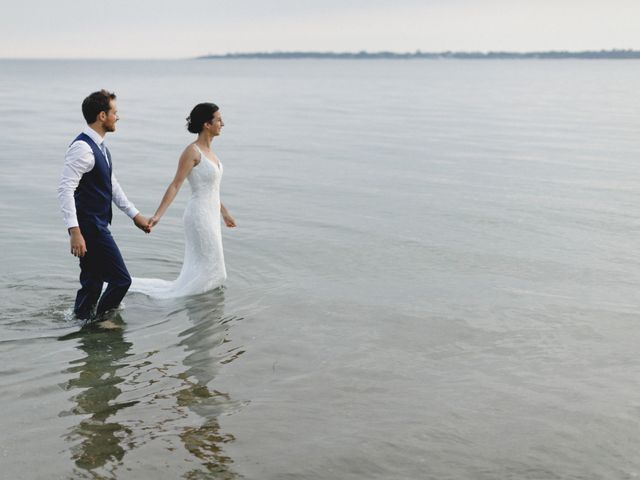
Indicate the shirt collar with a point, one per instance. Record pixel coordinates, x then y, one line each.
93 135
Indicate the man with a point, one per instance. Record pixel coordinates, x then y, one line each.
87 188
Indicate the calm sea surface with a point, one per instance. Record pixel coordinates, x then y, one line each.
435 275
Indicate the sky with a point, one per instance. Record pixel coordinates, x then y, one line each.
188 28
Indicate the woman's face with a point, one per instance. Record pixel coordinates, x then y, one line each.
215 124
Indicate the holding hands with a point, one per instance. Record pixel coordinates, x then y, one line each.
153 221
142 223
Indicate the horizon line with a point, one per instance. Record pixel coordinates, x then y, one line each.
611 53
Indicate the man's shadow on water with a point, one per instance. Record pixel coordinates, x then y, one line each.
101 443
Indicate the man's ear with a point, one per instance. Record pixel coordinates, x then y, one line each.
102 116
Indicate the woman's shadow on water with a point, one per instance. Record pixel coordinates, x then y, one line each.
101 444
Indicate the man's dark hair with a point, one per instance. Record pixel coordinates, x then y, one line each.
95 103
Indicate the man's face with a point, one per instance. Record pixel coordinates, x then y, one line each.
110 117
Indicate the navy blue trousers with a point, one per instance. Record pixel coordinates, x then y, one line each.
102 263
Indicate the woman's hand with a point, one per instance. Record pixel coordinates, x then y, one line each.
228 220
153 221
226 216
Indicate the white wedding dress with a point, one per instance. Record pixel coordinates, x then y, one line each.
203 266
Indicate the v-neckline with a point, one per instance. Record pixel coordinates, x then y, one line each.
216 163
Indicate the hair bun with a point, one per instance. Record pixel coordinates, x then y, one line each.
190 127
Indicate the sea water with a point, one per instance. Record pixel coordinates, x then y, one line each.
435 274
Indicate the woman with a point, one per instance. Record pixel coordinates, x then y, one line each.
203 267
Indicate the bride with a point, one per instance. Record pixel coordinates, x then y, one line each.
203 267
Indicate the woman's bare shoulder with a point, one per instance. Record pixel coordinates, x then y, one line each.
192 153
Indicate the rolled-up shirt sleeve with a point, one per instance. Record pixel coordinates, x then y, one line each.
121 200
77 161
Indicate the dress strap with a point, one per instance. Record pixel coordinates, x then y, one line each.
199 151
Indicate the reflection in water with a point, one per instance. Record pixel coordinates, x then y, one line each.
201 341
100 441
186 408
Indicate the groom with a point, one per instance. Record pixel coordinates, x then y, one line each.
87 188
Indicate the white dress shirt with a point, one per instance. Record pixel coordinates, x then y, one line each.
79 160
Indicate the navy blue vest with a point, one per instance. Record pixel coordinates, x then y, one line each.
93 196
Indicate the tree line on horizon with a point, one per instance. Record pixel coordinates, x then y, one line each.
551 54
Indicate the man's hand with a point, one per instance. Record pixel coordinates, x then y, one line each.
76 240
142 223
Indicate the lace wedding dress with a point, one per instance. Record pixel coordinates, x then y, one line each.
203 266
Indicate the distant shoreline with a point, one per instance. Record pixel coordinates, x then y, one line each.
552 54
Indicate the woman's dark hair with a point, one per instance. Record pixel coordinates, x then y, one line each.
201 114
95 103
